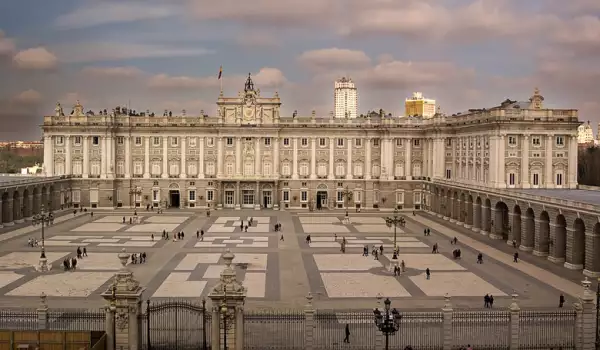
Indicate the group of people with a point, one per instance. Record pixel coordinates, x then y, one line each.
244 228
70 264
138 258
32 242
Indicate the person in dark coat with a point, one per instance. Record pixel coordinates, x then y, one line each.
347 331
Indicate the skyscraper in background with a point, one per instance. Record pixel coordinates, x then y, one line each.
418 105
345 97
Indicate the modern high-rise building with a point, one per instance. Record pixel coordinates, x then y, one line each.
418 105
585 133
345 97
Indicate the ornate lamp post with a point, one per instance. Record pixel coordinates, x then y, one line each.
395 221
43 218
225 315
134 192
347 195
387 322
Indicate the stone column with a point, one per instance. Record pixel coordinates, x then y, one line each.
368 165
29 210
587 312
68 158
448 336
110 168
86 157
201 158
257 158
238 156
454 174
48 156
125 295
572 167
295 159
127 157
501 164
146 157
42 313
484 220
408 158
331 175
313 158
219 157
349 160
276 141
515 332
482 161
8 220
548 174
183 170
524 234
165 157
537 249
525 162
103 157
228 298
309 323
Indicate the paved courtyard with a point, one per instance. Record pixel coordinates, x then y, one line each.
278 268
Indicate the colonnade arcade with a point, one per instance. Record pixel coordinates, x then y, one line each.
563 236
22 202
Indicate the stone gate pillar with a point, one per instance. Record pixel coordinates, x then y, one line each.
124 299
228 298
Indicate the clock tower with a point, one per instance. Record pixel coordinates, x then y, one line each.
249 107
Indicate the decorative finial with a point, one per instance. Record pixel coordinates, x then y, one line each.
124 258
447 303
309 299
513 305
228 257
43 301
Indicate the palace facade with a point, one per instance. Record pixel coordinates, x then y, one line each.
249 156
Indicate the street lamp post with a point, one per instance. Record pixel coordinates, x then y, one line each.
347 195
387 322
43 218
395 221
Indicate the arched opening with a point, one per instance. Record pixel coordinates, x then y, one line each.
16 206
36 201
455 206
6 213
516 225
543 245
463 208
593 268
501 220
576 253
487 215
26 204
322 197
529 234
51 200
558 245
174 196
477 214
469 209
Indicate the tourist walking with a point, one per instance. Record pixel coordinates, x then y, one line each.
347 333
561 300
480 258
428 273
516 257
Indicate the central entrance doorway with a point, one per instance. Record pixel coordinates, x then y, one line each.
248 198
229 195
267 199
321 200
174 199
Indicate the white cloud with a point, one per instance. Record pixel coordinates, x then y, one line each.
35 58
112 72
7 45
107 12
114 51
28 97
269 78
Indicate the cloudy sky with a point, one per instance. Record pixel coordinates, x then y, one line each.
165 54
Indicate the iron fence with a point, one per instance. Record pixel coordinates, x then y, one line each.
175 324
24 319
547 329
76 319
482 329
329 330
274 330
420 330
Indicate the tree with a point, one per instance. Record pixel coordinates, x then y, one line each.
588 165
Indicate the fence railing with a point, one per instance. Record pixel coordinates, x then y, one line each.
177 324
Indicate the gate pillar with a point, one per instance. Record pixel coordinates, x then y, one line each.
124 301
228 298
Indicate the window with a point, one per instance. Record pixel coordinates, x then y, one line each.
358 169
304 141
560 141
77 167
77 140
340 196
138 140
174 169
156 140
266 169
536 141
76 196
210 141
399 169
449 142
156 168
192 195
448 173
376 170
399 142
512 140
286 141
210 195
375 142
155 195
59 140
137 167
416 142
322 169
192 169
322 142
358 142
417 197
286 196
267 141
399 197
120 167
120 140
535 179
95 140
416 169
249 168
511 179
192 141
229 141
285 169
303 169
95 168
559 179
340 142
229 168
210 168
304 196
339 169
174 141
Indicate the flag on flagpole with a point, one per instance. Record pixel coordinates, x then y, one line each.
220 72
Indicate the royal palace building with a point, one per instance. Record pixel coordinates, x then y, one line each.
250 156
